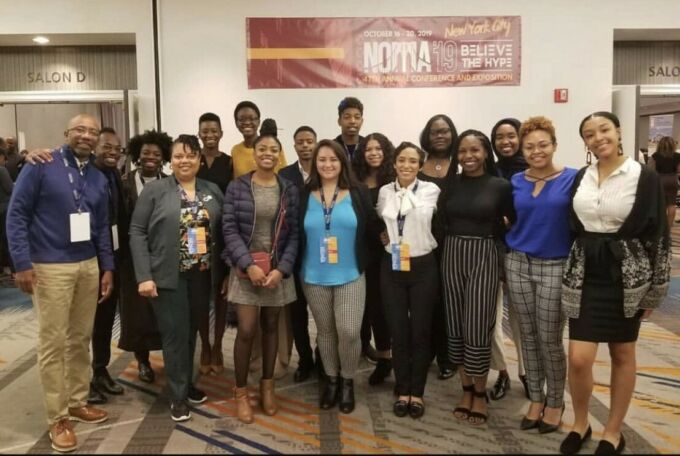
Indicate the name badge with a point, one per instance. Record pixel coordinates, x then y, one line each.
114 237
196 241
401 257
80 226
328 250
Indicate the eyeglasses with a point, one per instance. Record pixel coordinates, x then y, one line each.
440 132
82 130
247 119
109 148
542 146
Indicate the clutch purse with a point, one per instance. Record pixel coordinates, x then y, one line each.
263 260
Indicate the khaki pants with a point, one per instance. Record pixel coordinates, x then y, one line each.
65 300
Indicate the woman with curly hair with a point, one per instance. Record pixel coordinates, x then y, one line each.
373 164
138 329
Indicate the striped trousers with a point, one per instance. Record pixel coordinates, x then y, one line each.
470 279
535 287
338 311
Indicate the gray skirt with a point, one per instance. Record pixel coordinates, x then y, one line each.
242 291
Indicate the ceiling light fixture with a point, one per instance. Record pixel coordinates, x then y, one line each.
41 40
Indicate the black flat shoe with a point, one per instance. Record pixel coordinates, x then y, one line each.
573 442
416 409
546 428
606 447
104 382
501 387
400 408
445 372
146 374
330 393
95 397
347 395
382 370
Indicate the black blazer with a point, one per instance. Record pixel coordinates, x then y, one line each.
292 173
368 223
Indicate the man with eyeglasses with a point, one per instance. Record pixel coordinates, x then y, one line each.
59 239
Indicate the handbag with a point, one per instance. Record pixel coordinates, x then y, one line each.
263 260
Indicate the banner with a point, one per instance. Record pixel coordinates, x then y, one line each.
383 52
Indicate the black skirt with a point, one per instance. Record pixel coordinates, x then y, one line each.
601 317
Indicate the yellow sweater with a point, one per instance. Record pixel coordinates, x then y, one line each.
244 160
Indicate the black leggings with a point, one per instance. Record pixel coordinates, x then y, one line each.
374 315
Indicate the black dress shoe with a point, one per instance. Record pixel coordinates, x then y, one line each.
501 387
330 393
104 382
546 428
528 423
146 374
95 397
416 409
381 372
606 447
523 379
302 373
347 395
573 442
400 408
445 372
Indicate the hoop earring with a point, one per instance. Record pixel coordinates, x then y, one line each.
589 156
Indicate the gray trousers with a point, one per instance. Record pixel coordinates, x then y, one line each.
338 311
535 287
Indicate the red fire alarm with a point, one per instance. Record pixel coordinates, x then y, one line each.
561 95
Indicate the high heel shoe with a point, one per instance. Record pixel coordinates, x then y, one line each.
478 418
573 442
546 428
330 393
243 410
267 397
464 412
347 395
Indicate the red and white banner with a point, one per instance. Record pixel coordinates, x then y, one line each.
383 52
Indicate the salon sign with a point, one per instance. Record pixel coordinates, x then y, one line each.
383 52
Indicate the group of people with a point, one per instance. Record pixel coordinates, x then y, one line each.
414 244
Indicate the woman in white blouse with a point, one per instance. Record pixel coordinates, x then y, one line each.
409 275
616 273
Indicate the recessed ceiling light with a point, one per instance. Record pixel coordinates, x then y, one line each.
41 40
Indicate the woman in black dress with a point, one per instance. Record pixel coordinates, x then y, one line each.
616 273
373 164
666 162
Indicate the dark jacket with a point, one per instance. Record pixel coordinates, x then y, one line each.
292 173
154 230
238 223
368 223
641 248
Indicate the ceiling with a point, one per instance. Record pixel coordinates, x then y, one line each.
646 34
70 39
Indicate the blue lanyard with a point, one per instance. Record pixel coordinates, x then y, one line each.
76 192
401 219
327 211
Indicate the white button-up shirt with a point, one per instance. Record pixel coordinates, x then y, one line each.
603 207
418 209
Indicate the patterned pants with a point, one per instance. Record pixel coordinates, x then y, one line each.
535 287
470 281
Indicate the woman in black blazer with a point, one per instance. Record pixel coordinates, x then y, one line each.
176 242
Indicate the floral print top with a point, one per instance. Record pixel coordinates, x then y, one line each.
194 232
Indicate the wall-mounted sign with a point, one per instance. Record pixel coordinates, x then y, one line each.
383 52
647 62
68 68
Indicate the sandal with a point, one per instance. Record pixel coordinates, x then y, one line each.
463 413
478 418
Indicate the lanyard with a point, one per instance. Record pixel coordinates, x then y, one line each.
401 219
76 192
327 211
193 204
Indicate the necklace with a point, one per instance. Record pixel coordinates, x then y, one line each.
544 179
437 165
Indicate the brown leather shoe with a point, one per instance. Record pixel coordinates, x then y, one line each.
244 411
267 397
62 436
87 414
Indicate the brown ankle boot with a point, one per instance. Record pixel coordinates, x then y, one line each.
267 396
243 410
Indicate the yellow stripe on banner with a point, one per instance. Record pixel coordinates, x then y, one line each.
295 53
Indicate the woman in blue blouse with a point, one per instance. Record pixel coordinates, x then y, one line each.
538 243
339 221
